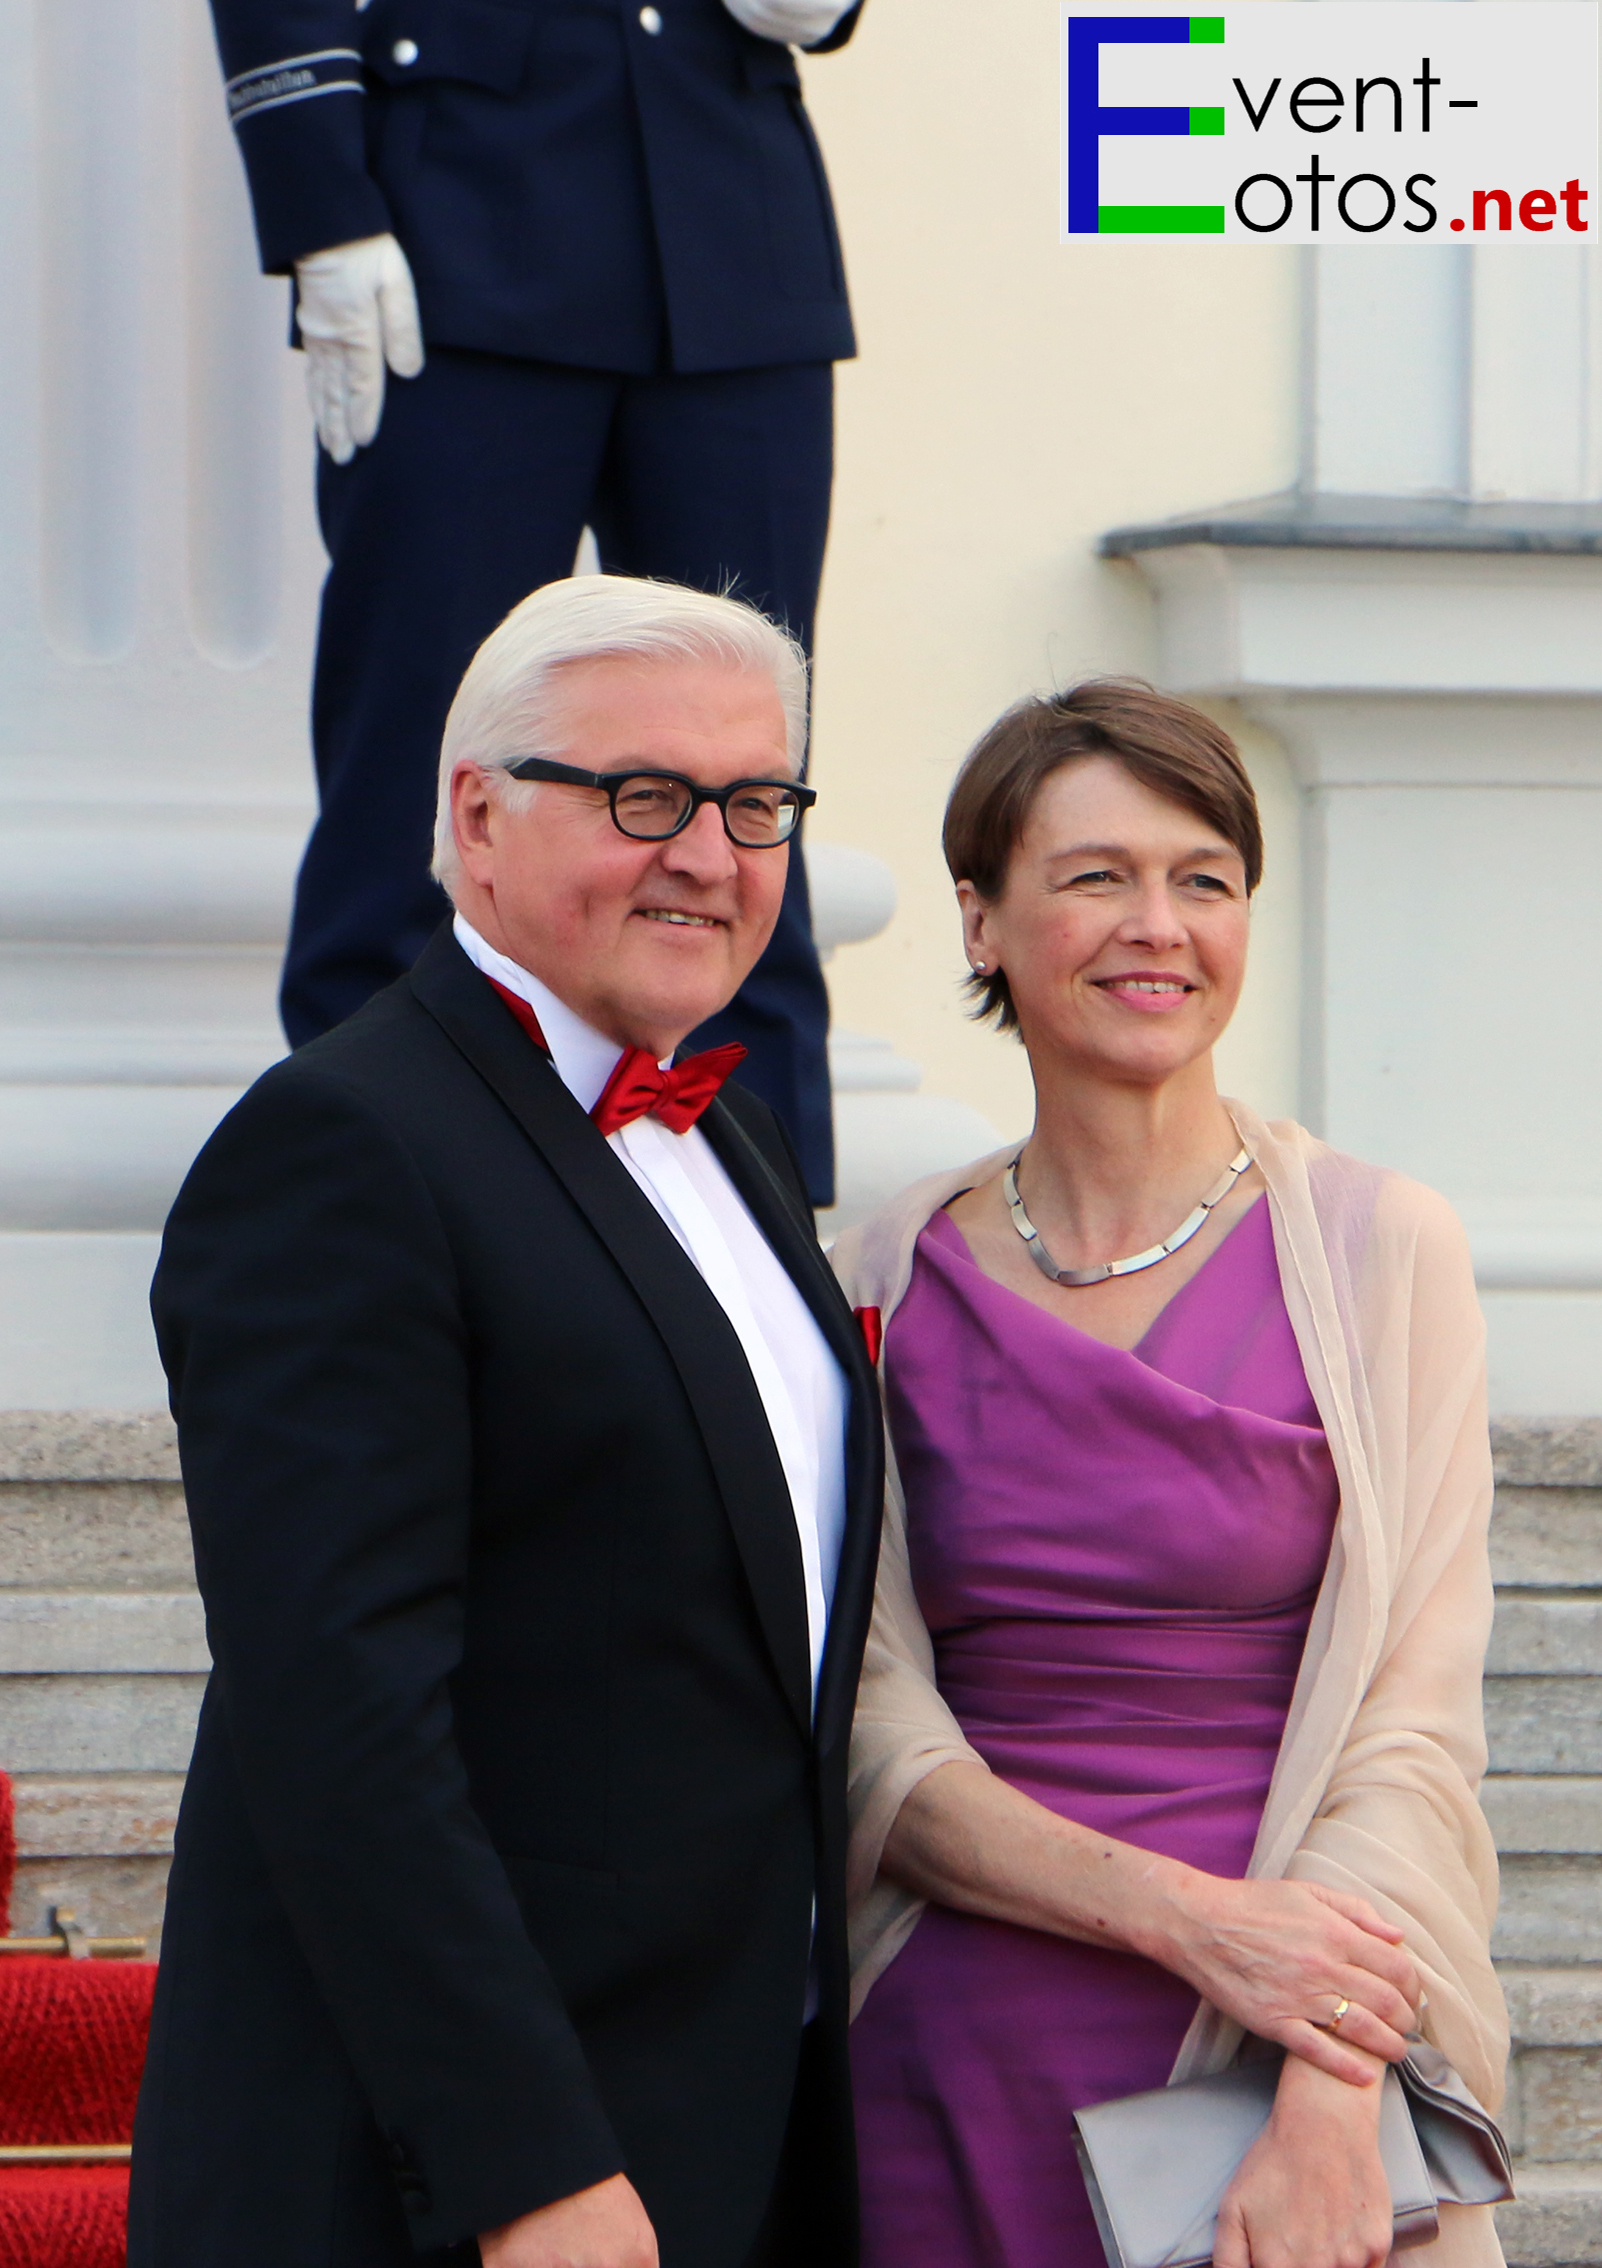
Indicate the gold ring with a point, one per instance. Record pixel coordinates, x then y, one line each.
1342 2009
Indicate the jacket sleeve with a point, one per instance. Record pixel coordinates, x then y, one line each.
295 97
307 1310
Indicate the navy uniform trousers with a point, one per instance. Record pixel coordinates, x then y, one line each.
485 470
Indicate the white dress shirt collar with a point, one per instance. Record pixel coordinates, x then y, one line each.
584 1058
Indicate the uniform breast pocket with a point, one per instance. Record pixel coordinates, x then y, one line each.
445 77
476 43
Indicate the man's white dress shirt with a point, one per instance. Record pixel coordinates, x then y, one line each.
801 1384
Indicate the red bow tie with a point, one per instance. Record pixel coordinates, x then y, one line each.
639 1086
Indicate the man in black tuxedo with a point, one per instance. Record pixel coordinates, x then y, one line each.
533 1461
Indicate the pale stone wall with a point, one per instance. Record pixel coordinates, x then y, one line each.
1413 631
1014 398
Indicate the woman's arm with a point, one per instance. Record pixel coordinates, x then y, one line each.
1278 1957
1398 1821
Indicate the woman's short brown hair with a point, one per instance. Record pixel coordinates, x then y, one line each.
1167 745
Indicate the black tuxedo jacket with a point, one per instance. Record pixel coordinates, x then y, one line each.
496 1865
587 182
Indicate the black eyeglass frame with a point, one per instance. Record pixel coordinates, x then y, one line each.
610 784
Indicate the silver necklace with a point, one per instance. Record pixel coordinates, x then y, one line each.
1078 1277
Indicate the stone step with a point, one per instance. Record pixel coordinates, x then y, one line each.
1544 1724
101 1631
96 1814
1556 2219
87 1445
1547 1633
1547 1452
100 1843
71 1723
1551 1910
1551 2007
92 1499
1547 1538
1544 1812
96 1535
112 1897
1554 2112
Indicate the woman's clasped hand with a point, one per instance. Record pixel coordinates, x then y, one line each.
1282 1957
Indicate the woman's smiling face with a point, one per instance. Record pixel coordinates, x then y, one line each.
1122 926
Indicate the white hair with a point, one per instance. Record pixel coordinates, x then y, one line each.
502 710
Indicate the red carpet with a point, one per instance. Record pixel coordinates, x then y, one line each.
63 2216
72 2046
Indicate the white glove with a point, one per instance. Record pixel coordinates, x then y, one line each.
799 22
357 312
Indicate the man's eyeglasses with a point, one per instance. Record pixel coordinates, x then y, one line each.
653 807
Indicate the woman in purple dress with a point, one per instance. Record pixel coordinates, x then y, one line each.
1170 1727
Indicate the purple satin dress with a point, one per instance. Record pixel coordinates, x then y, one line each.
1117 1554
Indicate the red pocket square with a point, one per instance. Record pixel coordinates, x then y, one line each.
871 1324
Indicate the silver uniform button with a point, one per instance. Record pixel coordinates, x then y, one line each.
405 51
651 21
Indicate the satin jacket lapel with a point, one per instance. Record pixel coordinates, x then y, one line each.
698 1335
797 1247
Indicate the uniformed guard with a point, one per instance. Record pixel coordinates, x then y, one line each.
596 242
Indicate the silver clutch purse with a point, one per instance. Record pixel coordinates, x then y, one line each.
1157 2165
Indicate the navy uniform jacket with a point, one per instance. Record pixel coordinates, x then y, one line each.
568 184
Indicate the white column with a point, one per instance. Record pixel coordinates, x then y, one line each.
158 574
886 1133
1536 361
1453 371
1385 370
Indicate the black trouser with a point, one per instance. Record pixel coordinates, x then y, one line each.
790 2236
484 473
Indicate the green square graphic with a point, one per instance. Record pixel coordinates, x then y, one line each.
1207 31
1160 220
1206 121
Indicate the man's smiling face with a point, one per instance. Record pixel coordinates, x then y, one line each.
643 940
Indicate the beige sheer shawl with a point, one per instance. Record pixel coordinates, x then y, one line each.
1374 1788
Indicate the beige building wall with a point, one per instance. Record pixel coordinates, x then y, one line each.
1014 398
